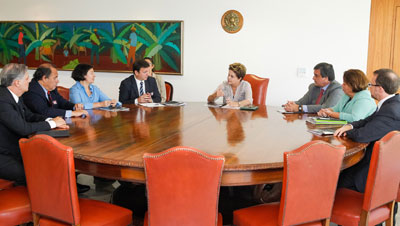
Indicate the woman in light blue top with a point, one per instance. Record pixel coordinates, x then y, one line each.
235 91
84 92
357 102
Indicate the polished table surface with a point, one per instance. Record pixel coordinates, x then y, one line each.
111 144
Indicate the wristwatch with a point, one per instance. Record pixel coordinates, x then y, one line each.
300 108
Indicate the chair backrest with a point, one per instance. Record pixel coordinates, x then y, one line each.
5 184
183 186
310 176
398 195
64 92
169 90
259 87
50 176
383 180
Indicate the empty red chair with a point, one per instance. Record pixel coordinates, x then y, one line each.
5 184
259 88
169 90
310 177
15 208
50 175
64 92
183 187
376 204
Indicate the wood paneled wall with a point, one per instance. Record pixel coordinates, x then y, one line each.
384 36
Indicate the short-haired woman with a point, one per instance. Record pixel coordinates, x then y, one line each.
235 91
357 102
84 92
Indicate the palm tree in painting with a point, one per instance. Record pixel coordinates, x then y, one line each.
8 42
160 41
40 37
78 41
116 42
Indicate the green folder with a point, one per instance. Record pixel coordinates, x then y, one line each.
249 108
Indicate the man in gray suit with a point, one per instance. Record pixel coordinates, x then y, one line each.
325 92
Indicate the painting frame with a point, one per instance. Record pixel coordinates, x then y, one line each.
109 43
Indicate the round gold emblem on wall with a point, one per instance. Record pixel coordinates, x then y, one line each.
232 21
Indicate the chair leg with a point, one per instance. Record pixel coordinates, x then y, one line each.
364 218
389 222
36 218
326 222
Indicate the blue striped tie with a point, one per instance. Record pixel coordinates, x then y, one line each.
141 88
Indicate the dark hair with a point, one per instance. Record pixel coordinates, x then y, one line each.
151 60
40 72
139 64
78 74
326 70
356 79
388 80
43 70
239 70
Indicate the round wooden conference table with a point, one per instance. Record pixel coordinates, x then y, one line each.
111 144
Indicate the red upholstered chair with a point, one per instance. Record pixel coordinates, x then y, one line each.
398 195
169 89
310 177
183 187
64 92
15 208
376 204
259 87
5 184
50 175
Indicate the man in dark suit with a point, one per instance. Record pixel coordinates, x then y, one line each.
325 92
43 97
384 85
139 87
17 121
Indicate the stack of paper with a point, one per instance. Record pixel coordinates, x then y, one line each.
322 120
174 103
322 132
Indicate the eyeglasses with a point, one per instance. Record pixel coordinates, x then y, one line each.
370 84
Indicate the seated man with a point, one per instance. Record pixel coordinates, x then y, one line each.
325 92
384 85
17 121
139 87
43 97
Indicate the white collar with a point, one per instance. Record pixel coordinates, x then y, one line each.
383 100
138 84
16 98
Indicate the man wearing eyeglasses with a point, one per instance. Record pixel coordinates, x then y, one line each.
384 85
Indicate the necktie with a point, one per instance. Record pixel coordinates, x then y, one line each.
320 96
49 96
141 89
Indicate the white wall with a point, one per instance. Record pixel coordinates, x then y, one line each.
277 37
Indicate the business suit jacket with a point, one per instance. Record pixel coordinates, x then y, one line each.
370 130
331 96
37 102
16 121
128 90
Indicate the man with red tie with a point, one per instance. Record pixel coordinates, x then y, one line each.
325 92
17 121
43 97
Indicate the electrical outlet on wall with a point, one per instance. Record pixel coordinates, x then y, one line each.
301 72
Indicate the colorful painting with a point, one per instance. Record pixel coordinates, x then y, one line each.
107 45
